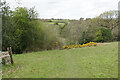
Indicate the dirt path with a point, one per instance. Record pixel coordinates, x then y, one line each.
103 43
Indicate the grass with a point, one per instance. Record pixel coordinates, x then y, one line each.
51 23
92 62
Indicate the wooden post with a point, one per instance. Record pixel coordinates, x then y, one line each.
10 53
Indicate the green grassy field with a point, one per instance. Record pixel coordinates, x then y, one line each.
91 62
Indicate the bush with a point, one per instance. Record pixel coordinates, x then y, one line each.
80 46
103 35
82 39
57 23
50 20
87 36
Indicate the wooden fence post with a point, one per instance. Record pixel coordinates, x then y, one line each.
10 53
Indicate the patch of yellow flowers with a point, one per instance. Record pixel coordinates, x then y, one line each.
80 46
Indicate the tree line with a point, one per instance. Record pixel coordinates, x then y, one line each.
22 31
103 28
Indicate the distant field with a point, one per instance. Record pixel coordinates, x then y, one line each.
60 22
91 62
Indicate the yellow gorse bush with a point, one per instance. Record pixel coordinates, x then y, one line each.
80 46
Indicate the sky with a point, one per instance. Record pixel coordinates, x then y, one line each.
67 9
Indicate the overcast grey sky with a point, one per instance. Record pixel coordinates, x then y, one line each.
67 9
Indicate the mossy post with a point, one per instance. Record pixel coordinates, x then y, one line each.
119 40
10 53
0 27
0 40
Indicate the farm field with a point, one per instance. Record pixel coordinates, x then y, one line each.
92 62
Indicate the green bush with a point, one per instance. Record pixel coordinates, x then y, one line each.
50 21
87 36
103 35
57 23
82 39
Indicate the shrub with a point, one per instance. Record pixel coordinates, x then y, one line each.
50 20
103 35
57 23
87 36
80 46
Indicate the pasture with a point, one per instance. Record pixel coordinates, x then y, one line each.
91 62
